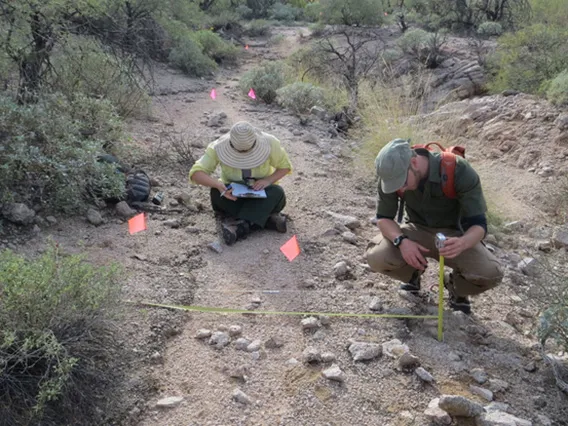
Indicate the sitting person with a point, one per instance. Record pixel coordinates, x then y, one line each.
246 155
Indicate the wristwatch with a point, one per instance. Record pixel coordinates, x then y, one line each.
398 240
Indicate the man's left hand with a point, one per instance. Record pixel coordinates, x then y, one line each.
261 184
453 247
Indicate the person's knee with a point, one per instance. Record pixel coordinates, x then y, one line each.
276 191
489 278
376 259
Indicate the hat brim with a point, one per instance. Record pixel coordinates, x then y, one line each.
243 160
394 184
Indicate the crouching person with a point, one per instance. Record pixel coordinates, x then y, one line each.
401 251
253 158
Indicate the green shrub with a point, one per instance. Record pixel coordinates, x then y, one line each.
352 12
215 47
55 337
82 65
550 12
187 55
423 46
557 91
244 11
313 11
317 29
300 97
50 149
226 20
265 79
260 8
284 12
528 58
490 29
258 28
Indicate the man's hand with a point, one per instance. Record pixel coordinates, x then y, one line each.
261 184
227 193
412 254
453 247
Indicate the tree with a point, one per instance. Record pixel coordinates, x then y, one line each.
352 12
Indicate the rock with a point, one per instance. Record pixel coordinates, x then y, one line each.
51 220
376 305
408 362
543 420
334 373
240 396
561 122
325 320
94 217
183 198
530 367
310 138
394 348
203 334
309 283
240 372
216 120
497 406
172 223
274 342
498 385
481 392
498 418
169 402
219 340
560 237
242 344
328 357
124 211
215 246
350 222
530 267
457 405
319 112
254 346
544 245
436 415
18 213
235 330
349 237
310 323
424 375
479 375
363 351
311 356
341 269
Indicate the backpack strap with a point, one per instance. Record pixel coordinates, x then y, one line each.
447 172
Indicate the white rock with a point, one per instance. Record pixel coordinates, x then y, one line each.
328 357
530 266
254 346
240 396
543 420
498 418
219 340
348 221
424 375
394 348
340 269
363 351
436 415
311 355
334 373
349 237
457 405
203 334
498 385
169 402
235 330
242 344
310 323
497 406
376 305
481 392
479 375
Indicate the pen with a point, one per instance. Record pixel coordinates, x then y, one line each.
228 188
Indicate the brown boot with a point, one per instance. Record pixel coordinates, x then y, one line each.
276 222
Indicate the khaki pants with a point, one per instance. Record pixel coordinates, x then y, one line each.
474 271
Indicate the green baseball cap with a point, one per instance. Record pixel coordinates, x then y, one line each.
392 165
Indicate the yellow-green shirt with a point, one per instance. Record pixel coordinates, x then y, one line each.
278 159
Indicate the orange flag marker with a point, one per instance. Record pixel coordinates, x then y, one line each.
251 94
291 248
247 47
137 223
213 94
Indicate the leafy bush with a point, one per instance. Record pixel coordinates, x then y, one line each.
300 97
557 91
50 148
215 47
313 11
550 12
423 46
317 29
284 12
187 55
260 8
490 29
244 11
265 79
55 339
528 58
82 65
258 28
352 12
226 20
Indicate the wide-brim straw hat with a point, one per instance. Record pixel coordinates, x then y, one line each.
244 147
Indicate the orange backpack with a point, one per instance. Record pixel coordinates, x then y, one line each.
447 170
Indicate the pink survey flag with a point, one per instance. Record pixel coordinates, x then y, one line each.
213 94
291 248
251 93
247 47
137 223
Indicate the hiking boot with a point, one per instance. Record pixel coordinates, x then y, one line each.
276 222
457 303
229 233
243 229
412 286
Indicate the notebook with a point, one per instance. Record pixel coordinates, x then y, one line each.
243 191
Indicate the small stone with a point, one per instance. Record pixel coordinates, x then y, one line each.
169 402
235 330
424 375
219 340
436 415
328 357
274 343
94 217
216 247
310 323
408 362
498 418
479 375
376 305
453 356
309 283
530 267
457 405
340 269
203 334
242 344
240 372
530 367
256 300
498 385
542 420
349 221
349 237
240 396
334 373
325 320
497 406
124 210
20 214
394 348
172 223
254 346
481 392
363 351
311 356
51 220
